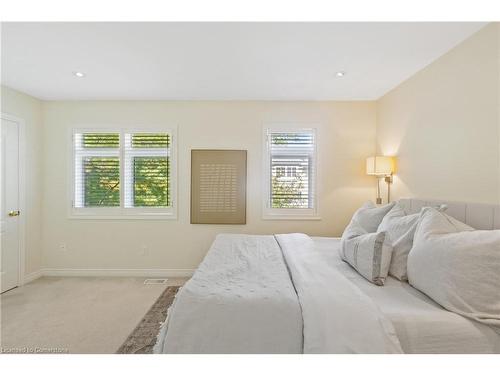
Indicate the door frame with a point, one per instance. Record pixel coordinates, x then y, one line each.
22 193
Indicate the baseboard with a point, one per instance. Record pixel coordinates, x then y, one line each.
32 276
103 272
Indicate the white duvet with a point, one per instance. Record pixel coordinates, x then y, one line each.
338 317
272 294
239 300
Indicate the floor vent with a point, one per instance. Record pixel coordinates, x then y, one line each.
155 281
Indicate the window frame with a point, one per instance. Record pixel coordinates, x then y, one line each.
122 212
269 213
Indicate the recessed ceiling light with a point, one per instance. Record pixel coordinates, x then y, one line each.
340 74
79 74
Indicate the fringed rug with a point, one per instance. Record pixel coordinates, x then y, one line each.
143 337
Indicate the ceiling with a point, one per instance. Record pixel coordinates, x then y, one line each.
220 61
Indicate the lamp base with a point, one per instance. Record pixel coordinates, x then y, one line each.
379 201
389 181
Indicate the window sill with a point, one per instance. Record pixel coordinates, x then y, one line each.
290 217
122 217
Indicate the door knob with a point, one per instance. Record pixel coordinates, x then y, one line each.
14 213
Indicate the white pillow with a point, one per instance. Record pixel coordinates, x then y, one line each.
457 266
399 228
367 253
369 216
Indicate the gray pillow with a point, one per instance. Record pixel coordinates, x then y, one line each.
367 253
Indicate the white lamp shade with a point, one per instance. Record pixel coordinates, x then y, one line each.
379 165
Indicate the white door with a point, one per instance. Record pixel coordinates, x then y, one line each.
9 205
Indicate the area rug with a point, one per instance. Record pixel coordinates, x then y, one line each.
143 337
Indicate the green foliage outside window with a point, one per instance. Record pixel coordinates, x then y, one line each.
150 140
151 182
101 174
102 181
289 193
101 140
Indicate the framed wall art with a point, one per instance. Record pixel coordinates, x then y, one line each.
218 186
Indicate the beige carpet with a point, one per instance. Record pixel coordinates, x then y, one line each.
74 314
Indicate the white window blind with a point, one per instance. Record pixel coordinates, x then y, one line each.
291 171
124 172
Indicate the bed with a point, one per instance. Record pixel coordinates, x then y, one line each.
293 294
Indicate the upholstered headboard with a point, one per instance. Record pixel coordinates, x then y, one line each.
477 215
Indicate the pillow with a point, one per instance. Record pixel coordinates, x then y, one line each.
369 216
399 228
367 253
457 266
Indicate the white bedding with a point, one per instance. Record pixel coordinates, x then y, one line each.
422 326
242 300
338 317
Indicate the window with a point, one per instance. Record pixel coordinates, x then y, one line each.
290 166
123 173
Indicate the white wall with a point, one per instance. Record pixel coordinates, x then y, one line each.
347 136
30 110
443 125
